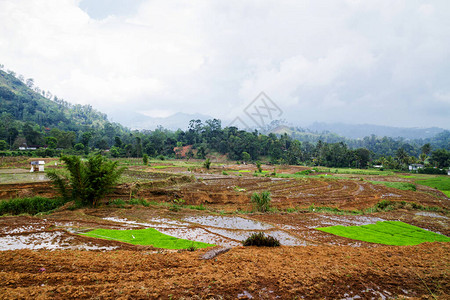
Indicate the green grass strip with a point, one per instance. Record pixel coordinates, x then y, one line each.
405 186
441 183
146 237
394 233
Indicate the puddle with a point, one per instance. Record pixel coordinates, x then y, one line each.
389 195
326 220
198 235
228 222
430 214
45 240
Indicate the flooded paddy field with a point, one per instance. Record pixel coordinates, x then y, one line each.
45 255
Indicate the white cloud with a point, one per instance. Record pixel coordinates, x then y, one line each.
319 60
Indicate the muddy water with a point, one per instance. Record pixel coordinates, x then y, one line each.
218 230
8 178
46 240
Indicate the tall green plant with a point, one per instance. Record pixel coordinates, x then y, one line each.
89 181
262 201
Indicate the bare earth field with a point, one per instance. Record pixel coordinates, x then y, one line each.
44 257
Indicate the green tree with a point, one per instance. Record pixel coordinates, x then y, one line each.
79 147
440 158
245 156
51 142
89 181
145 159
426 149
3 145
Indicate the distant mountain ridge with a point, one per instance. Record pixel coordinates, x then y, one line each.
361 130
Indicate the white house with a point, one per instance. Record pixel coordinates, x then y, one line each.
415 167
37 166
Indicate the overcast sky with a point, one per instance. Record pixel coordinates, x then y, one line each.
378 62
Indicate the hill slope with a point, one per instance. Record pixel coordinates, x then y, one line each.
27 105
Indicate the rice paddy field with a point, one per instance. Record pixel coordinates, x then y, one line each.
344 234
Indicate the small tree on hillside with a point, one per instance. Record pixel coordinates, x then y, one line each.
89 181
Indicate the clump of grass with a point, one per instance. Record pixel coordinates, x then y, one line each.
139 201
333 210
224 173
30 206
196 207
262 201
191 248
261 240
176 204
117 202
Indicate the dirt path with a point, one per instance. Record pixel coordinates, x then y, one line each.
262 273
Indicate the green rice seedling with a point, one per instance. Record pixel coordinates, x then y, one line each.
261 240
388 233
146 237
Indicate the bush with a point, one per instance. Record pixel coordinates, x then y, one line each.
305 172
207 163
435 171
262 201
261 240
145 159
258 165
30 206
90 181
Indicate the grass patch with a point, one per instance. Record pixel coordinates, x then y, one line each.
355 171
30 206
404 186
333 210
394 233
441 183
146 237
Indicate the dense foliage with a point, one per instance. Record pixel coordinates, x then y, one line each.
31 206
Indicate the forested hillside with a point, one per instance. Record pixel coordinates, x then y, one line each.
33 118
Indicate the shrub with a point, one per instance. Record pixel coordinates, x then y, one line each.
145 159
90 181
435 171
207 163
258 165
304 172
261 240
30 206
224 173
262 201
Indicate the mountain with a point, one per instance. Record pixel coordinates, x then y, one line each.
26 103
362 130
173 122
